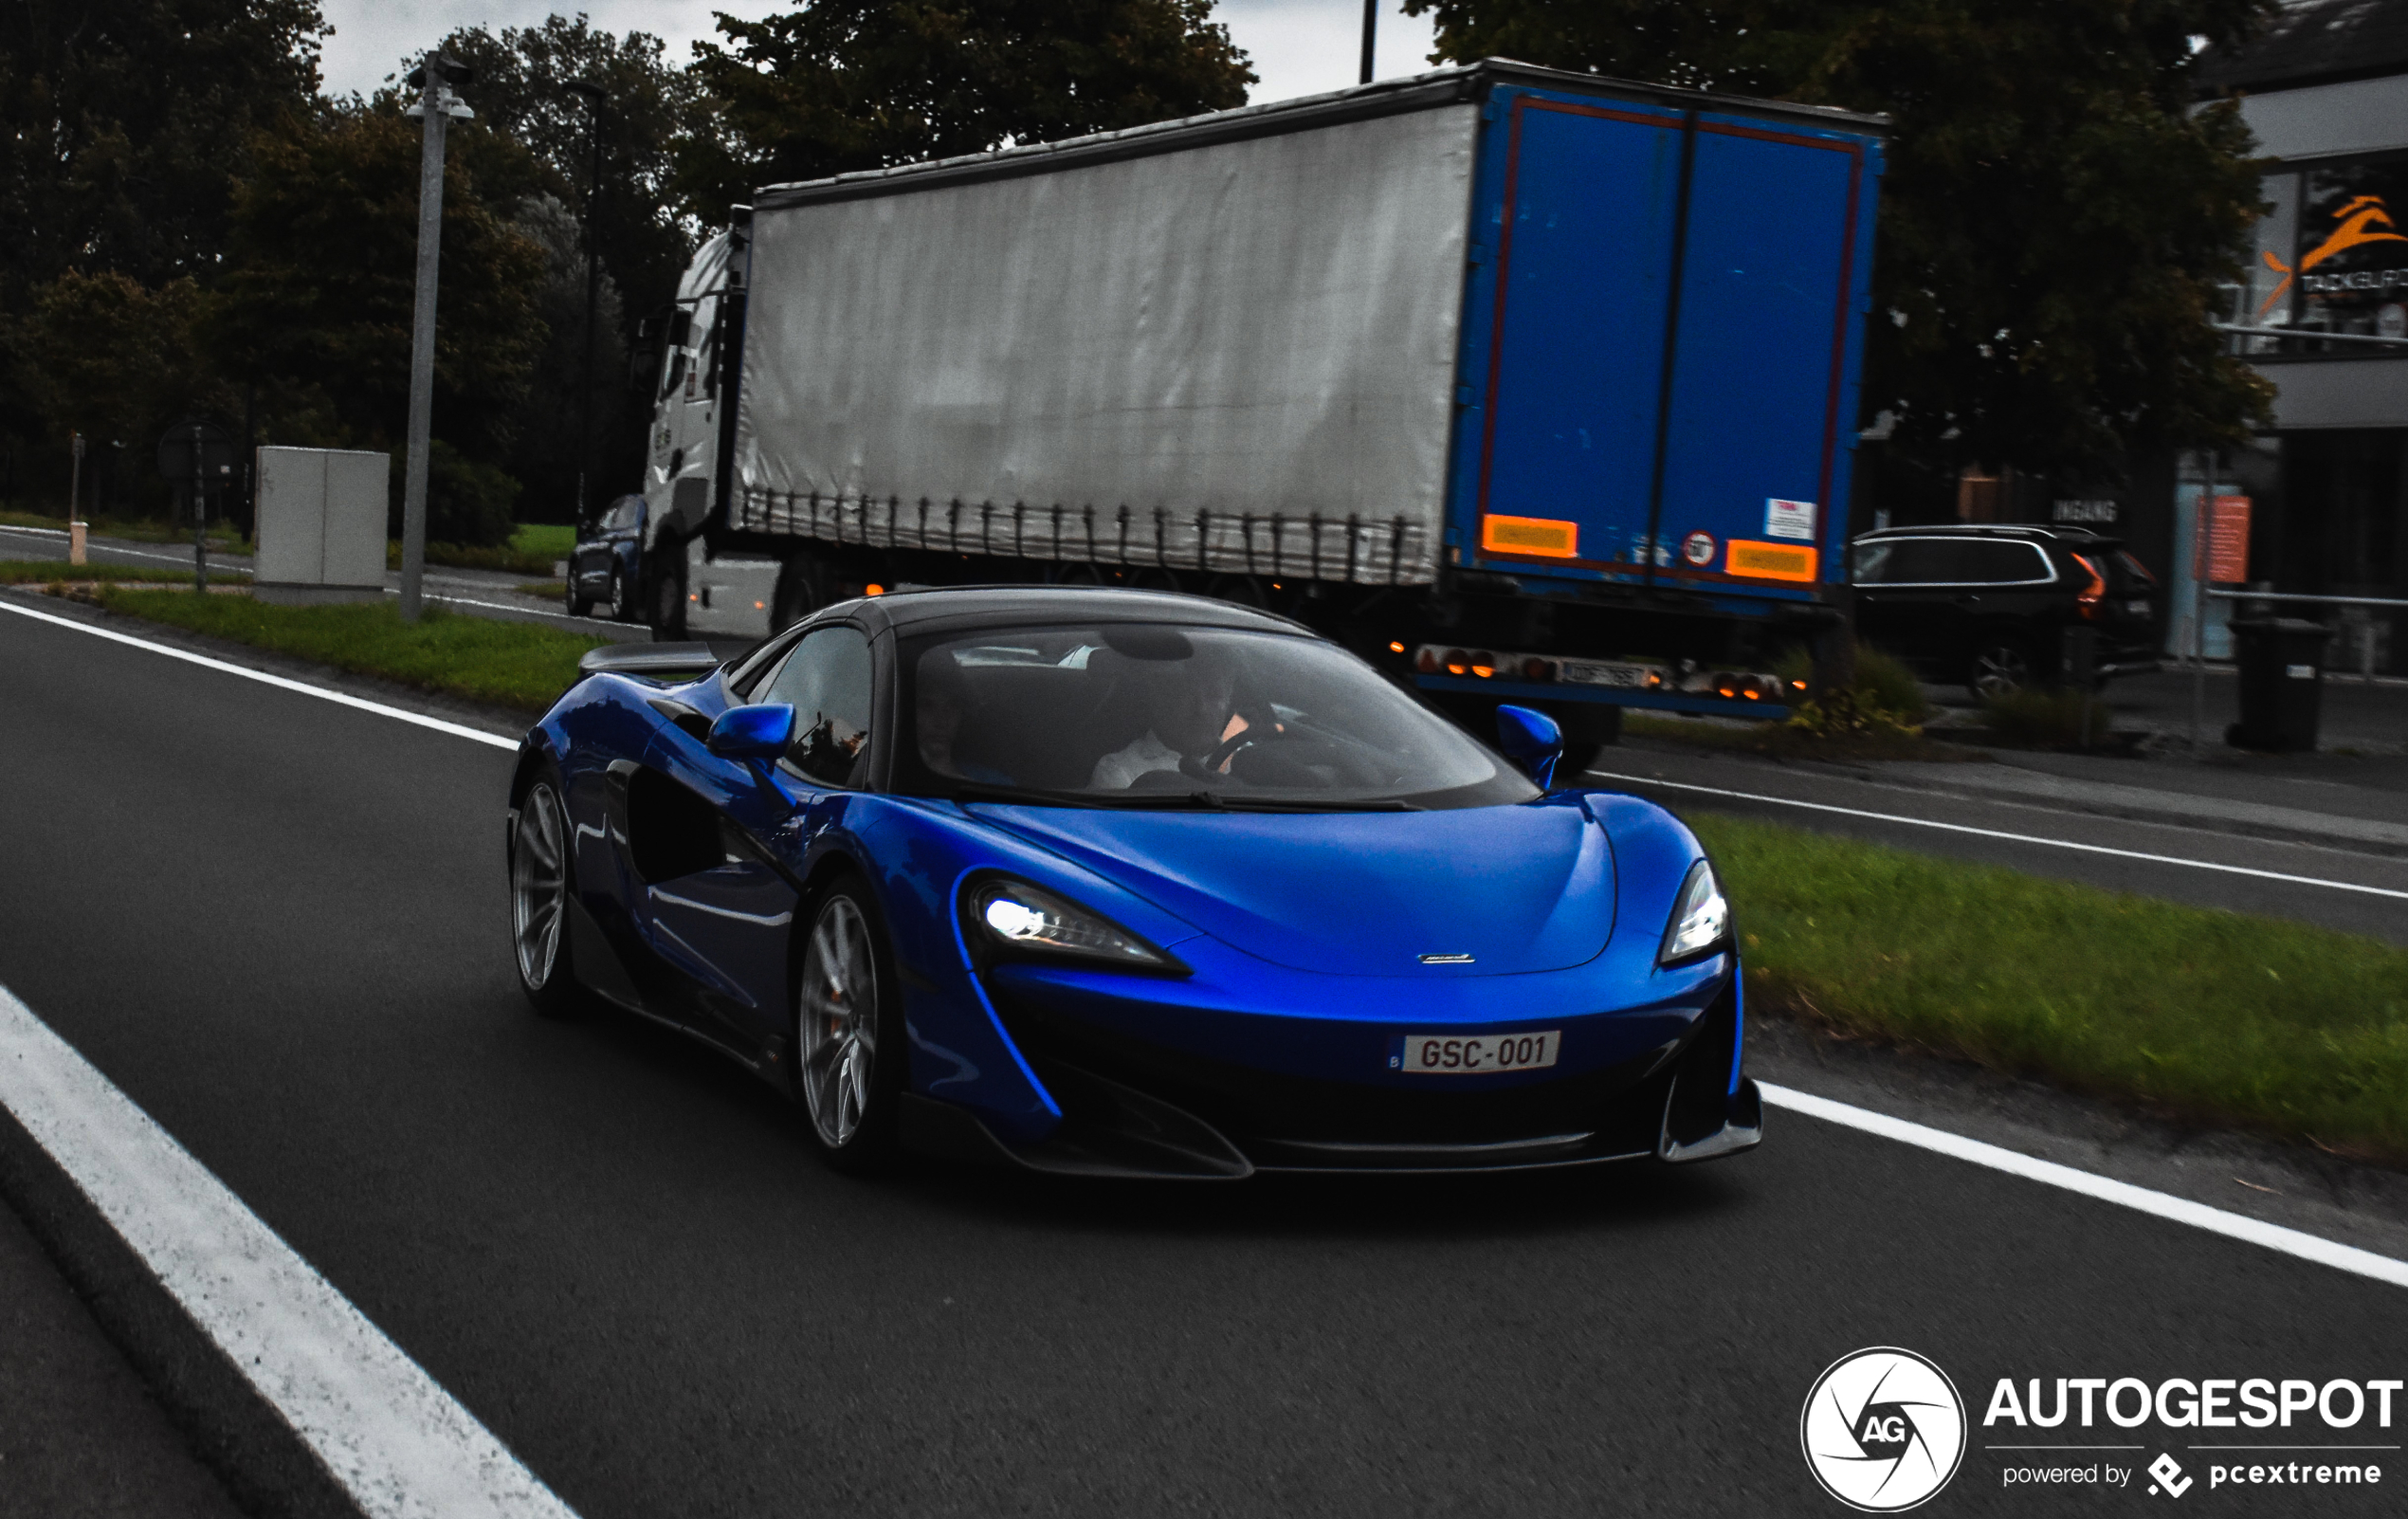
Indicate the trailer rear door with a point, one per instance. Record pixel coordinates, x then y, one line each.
1621 422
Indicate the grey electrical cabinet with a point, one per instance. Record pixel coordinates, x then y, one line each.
321 524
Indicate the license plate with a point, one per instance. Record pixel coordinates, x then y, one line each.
1590 672
1455 1054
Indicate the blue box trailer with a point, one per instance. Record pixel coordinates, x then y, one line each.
1534 386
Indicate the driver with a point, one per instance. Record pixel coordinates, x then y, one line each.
1192 712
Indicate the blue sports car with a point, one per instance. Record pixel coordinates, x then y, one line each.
1115 883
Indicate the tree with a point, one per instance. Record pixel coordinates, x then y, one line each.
124 125
321 277
2054 220
521 90
549 451
847 84
117 361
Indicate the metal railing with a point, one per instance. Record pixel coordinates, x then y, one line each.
2366 629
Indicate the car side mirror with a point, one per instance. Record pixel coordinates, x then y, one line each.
1530 738
752 732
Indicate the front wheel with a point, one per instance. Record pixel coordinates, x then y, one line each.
539 886
2000 668
848 1051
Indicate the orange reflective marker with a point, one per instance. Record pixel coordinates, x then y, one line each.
1771 561
1530 535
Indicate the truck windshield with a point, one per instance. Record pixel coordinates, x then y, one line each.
1154 715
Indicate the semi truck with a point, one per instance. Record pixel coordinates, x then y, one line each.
1528 384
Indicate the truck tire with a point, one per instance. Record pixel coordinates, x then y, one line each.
802 589
1589 729
664 592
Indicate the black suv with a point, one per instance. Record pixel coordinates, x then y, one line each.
1989 604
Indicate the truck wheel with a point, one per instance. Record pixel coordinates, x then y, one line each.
1589 729
802 589
665 587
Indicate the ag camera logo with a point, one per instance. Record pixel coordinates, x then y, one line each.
1883 1429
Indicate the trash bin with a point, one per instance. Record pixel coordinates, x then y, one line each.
2282 667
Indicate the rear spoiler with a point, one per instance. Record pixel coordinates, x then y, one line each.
658 662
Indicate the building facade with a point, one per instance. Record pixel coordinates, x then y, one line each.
2325 314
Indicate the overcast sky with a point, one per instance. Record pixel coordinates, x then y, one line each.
1298 46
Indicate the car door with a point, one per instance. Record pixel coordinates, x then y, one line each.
1908 598
729 923
2011 595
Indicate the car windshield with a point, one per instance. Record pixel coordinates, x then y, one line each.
1154 715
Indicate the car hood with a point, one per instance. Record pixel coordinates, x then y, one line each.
1517 889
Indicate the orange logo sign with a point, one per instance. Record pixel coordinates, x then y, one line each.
2357 218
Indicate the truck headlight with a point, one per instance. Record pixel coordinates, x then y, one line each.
1701 918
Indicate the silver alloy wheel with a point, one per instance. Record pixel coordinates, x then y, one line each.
1999 670
538 884
836 1022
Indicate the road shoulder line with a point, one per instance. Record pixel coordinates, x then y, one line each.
458 730
2105 1189
1645 781
390 1439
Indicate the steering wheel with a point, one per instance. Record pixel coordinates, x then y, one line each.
1260 728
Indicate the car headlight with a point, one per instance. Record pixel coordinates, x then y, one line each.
1015 917
1701 918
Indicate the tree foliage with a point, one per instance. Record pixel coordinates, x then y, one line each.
2054 220
849 85
124 124
321 276
523 91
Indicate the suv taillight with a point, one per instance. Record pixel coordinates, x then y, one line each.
2089 598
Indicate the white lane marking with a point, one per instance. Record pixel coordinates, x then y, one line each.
339 698
112 548
399 1444
2105 1189
2018 839
501 606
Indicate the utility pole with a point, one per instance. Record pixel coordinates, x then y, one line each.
436 106
1371 29
594 95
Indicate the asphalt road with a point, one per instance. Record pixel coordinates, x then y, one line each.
278 926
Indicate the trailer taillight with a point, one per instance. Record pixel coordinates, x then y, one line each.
1458 663
1484 664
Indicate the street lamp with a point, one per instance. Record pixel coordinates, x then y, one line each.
1371 29
594 95
436 106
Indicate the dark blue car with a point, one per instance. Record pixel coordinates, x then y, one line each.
606 569
1106 882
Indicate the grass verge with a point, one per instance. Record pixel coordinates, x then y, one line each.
59 571
2210 1016
222 535
523 664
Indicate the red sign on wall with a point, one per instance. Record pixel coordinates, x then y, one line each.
2227 540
